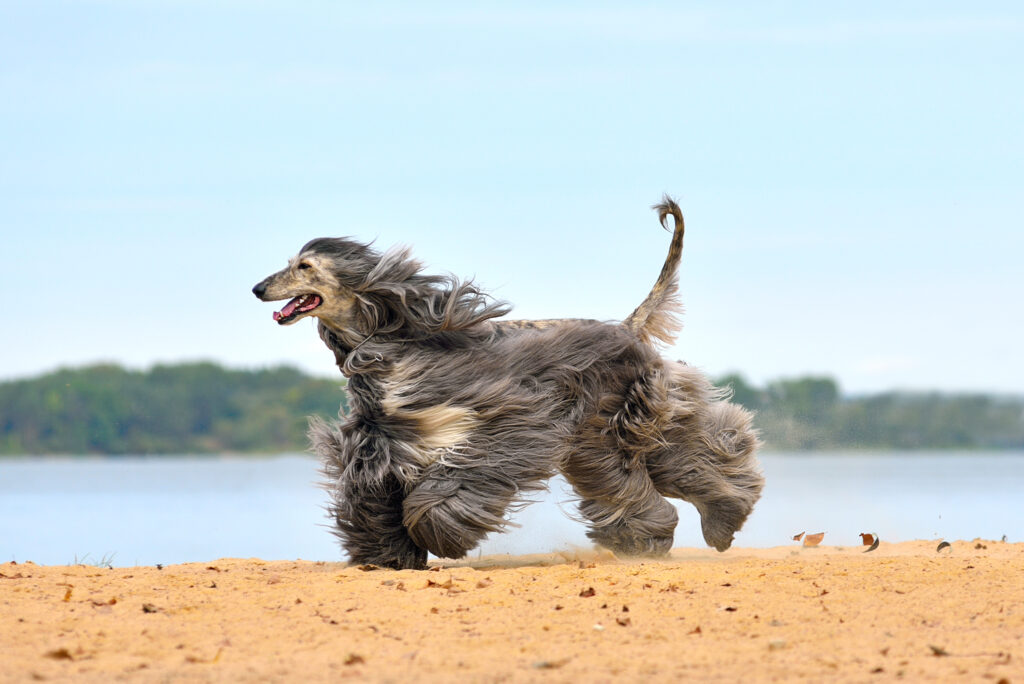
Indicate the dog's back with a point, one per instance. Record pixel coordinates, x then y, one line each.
657 317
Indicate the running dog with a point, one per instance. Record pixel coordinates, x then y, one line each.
454 415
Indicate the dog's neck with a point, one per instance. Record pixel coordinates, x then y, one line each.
351 353
340 345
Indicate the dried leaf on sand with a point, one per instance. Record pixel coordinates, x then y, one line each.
813 539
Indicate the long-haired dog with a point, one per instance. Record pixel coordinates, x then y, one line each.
454 415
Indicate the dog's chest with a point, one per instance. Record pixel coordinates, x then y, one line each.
409 396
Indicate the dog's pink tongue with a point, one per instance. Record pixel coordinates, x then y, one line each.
287 311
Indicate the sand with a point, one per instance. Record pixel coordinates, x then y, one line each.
788 613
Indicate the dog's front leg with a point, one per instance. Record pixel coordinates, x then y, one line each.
368 520
452 509
366 498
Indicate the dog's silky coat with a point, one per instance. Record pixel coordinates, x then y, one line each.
454 415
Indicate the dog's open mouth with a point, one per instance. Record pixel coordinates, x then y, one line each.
297 307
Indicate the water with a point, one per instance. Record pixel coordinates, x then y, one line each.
177 509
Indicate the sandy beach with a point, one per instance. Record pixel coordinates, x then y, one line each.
902 611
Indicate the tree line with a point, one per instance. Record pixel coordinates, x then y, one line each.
811 413
199 408
193 408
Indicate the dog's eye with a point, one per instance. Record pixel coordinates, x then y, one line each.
303 265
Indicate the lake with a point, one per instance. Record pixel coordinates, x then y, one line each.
148 510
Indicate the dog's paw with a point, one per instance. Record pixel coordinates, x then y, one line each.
633 547
642 528
721 520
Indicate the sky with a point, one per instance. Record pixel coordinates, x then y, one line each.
851 174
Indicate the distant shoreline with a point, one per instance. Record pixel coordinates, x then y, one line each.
203 408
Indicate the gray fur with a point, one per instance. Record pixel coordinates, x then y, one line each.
454 415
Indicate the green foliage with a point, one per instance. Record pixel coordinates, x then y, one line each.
204 408
810 413
189 408
742 392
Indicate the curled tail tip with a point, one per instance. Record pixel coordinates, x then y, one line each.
657 315
668 207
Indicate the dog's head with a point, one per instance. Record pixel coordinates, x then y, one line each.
357 292
321 280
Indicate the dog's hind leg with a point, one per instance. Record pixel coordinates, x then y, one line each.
642 528
710 461
605 464
604 461
624 511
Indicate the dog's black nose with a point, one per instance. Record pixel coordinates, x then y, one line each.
260 289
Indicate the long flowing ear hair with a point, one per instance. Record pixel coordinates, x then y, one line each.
395 298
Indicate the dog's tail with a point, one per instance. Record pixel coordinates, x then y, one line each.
658 315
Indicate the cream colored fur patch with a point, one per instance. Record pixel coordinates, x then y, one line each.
444 426
441 428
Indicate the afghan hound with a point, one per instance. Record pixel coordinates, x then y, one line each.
454 415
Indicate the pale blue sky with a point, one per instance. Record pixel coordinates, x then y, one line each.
851 174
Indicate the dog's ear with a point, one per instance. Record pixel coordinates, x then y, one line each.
350 262
395 266
424 305
373 314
